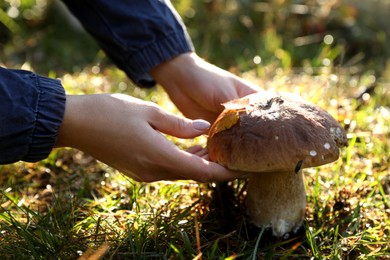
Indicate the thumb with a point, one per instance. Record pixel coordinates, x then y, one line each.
181 127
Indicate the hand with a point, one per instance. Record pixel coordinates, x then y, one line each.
197 87
125 133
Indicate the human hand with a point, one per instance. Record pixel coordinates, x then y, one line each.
126 133
197 87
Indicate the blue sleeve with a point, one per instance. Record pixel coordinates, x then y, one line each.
31 111
136 35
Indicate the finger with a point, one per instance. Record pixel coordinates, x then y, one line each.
198 150
189 107
202 170
178 126
194 149
246 87
192 166
206 157
172 163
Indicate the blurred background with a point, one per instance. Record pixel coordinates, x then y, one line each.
238 35
335 53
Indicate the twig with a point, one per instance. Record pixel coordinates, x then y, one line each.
199 256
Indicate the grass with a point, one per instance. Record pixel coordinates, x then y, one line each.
70 205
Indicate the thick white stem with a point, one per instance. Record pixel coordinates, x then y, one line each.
277 199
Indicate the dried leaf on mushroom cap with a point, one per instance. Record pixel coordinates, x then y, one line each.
229 116
236 104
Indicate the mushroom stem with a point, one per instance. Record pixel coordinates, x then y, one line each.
277 199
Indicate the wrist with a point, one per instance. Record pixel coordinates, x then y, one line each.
172 69
76 115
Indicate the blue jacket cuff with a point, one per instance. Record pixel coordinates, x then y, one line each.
156 53
136 35
31 111
48 118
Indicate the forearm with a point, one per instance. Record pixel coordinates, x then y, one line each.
72 130
89 125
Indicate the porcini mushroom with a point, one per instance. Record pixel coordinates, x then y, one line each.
274 136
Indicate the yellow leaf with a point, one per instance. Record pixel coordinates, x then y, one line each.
236 104
226 120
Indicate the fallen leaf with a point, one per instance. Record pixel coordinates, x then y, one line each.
226 120
236 104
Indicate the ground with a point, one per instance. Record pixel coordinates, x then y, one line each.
71 205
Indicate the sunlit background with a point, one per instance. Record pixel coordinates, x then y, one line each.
335 53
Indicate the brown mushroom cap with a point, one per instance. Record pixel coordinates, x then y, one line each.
267 132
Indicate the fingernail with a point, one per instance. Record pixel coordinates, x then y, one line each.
200 124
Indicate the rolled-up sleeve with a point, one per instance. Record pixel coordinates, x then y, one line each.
137 35
31 111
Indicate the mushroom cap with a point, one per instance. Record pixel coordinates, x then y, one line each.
268 132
